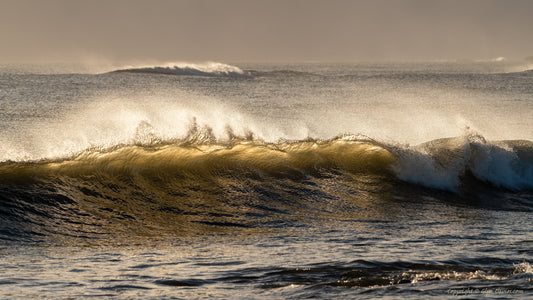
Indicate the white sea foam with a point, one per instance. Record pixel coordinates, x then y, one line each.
523 268
443 163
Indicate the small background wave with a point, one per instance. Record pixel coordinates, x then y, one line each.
211 69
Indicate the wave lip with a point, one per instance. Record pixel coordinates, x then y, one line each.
209 69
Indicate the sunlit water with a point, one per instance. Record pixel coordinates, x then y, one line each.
267 181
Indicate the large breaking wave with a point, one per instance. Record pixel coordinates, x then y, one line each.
440 164
197 184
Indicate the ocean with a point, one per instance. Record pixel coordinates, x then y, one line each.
267 181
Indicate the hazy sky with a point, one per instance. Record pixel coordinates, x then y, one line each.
269 30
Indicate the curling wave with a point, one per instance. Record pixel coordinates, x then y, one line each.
442 163
199 157
196 185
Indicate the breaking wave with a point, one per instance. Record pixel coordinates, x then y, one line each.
444 163
210 69
198 183
441 163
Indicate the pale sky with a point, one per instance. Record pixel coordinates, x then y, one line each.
264 31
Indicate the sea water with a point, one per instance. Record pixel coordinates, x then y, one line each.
397 180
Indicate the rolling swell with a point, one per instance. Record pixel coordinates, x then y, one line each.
196 187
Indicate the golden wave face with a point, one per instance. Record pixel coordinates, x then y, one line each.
191 188
211 160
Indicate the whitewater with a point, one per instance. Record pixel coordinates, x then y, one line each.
201 180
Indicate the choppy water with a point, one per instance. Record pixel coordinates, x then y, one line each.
267 181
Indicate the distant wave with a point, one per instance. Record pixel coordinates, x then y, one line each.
498 59
523 70
280 73
211 69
